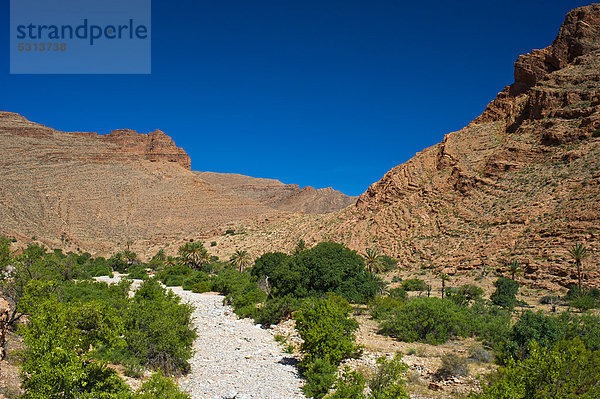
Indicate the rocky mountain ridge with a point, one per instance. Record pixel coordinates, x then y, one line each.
97 192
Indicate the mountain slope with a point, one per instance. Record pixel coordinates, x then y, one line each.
96 192
277 195
520 182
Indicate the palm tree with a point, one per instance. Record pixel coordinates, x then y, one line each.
578 252
444 278
129 257
241 259
514 268
194 254
372 260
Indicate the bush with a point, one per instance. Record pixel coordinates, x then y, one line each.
490 323
158 329
349 385
384 307
431 320
452 366
479 354
201 287
174 276
568 370
268 263
550 300
158 386
505 294
387 263
596 133
584 302
414 284
137 272
465 294
276 310
194 278
545 330
319 375
389 379
326 329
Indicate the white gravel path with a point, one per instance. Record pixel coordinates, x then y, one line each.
233 358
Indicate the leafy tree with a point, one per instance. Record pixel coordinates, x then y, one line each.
568 371
414 284
464 294
505 294
545 330
326 267
578 252
194 254
241 259
265 265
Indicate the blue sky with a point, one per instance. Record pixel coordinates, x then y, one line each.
320 93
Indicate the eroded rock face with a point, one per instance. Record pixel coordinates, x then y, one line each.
522 181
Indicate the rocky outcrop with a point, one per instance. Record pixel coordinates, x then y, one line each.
277 195
155 146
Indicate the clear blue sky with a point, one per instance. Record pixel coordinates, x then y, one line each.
320 93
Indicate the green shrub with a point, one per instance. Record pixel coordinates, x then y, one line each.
158 329
326 329
58 338
464 294
384 307
584 302
268 263
479 354
545 330
414 284
349 385
137 272
550 300
319 375
202 286
491 324
596 133
174 276
387 263
431 320
568 370
505 294
213 243
389 379
194 278
452 366
158 386
276 310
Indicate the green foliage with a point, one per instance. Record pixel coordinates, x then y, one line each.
545 330
174 275
349 385
4 252
326 329
389 380
431 320
194 255
388 263
269 262
505 294
137 271
491 324
319 375
277 309
568 370
414 284
596 133
464 294
384 307
159 386
158 329
327 267
58 339
118 263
